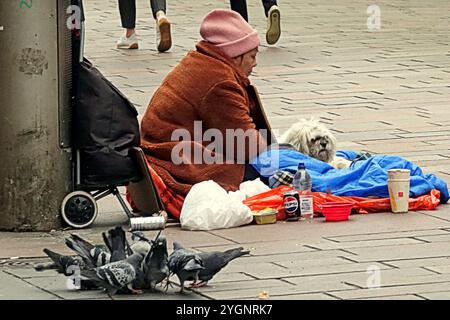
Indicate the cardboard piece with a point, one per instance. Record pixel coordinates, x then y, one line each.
259 115
143 192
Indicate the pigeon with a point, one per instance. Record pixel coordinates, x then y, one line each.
117 275
141 244
117 244
67 265
62 264
155 263
120 250
139 235
93 256
107 240
215 261
185 264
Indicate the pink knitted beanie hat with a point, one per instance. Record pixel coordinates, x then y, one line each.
228 31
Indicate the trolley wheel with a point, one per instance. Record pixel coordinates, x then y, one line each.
79 209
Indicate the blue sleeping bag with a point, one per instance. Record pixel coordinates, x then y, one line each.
364 177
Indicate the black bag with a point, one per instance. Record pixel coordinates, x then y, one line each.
105 130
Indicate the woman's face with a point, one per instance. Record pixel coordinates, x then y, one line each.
247 61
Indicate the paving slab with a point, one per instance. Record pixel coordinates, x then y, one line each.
228 276
437 288
14 288
358 224
365 278
416 251
444 295
389 235
423 262
301 271
403 297
267 247
287 257
329 245
442 269
312 296
383 91
27 273
315 263
250 269
26 247
282 291
171 294
435 238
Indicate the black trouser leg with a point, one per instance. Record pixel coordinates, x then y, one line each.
127 9
158 5
267 5
240 6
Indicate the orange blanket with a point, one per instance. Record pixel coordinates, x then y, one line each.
274 199
172 202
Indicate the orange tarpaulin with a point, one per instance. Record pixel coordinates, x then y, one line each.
172 202
274 199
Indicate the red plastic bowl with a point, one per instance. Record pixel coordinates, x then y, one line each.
336 211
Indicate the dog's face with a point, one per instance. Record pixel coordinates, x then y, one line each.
311 138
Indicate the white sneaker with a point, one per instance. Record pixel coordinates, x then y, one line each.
128 43
163 36
273 25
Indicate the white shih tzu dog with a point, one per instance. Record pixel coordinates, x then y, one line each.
314 139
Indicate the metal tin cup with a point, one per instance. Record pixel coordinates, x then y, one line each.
147 223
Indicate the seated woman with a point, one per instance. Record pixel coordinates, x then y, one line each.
198 125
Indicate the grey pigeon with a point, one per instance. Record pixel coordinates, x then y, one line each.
116 276
62 264
155 263
117 243
93 256
107 240
185 264
66 265
141 244
215 261
138 235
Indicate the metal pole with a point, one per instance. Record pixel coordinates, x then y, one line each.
35 166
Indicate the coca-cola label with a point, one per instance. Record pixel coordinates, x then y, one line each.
290 204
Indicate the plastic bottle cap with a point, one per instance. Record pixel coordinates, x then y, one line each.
301 165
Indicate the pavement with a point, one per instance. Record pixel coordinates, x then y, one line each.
384 91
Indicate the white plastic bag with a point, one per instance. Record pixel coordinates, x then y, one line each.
253 187
208 206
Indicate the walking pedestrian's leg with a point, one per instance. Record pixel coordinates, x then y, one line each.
267 4
163 36
127 9
240 6
272 13
158 5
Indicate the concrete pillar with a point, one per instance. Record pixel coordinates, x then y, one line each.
35 166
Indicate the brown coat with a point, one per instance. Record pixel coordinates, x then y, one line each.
205 86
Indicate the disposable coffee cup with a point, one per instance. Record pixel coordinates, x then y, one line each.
398 185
